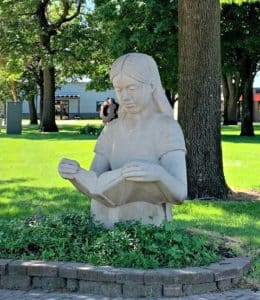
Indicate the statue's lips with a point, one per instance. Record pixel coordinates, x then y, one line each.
129 105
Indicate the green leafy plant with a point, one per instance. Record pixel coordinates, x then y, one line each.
74 236
90 129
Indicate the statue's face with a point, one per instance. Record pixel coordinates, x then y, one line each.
134 96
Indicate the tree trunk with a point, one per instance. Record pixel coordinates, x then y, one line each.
170 98
199 96
226 98
232 102
247 77
32 111
40 83
48 123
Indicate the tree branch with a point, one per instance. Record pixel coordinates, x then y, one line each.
64 18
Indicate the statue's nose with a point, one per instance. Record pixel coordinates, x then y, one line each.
125 96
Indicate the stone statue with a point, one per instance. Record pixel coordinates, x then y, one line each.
139 167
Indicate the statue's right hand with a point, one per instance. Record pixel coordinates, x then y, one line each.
68 168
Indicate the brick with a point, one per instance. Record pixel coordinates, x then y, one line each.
90 273
18 267
194 289
229 268
100 288
45 269
49 283
126 275
140 290
72 285
15 282
70 270
37 282
183 276
172 290
235 281
3 265
160 276
224 285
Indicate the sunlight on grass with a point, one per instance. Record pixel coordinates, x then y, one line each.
232 218
240 156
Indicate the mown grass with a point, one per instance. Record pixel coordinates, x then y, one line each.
241 158
29 179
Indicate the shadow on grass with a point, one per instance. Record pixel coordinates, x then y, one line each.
230 218
231 138
66 132
24 201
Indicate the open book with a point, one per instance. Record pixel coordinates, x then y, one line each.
112 190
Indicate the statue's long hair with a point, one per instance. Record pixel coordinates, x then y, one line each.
143 68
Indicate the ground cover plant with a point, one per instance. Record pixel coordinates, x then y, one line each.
75 237
30 186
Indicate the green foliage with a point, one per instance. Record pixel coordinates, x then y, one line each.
137 26
92 129
240 32
74 236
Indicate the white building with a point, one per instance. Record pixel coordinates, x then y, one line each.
72 100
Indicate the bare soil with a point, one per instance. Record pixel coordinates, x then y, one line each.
244 195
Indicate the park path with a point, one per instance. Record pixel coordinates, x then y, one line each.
238 294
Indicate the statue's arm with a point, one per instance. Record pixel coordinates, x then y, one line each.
94 182
169 174
86 181
174 180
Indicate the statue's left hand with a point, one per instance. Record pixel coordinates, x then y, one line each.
142 171
68 168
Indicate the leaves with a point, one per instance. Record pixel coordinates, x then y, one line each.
74 236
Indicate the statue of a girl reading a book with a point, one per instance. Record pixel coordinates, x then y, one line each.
139 168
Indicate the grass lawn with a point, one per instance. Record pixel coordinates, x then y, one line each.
29 179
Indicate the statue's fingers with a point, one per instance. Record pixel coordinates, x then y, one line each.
68 169
69 161
133 174
135 178
67 176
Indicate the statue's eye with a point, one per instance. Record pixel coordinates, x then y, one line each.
131 87
117 89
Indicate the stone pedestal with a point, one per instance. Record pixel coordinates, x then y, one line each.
14 118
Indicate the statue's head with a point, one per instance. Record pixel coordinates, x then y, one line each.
136 80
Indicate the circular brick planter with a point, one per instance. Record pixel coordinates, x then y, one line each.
122 282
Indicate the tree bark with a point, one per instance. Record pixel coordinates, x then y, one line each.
247 76
40 83
232 102
230 85
48 123
199 96
226 98
32 111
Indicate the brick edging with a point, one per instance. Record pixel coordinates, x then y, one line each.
122 282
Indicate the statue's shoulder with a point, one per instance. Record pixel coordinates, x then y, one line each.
165 120
111 126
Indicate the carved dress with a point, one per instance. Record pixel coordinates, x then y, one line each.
120 145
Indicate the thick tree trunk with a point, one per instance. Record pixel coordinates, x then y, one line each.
48 123
199 96
32 111
247 77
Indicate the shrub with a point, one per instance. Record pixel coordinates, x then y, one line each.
94 130
75 237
